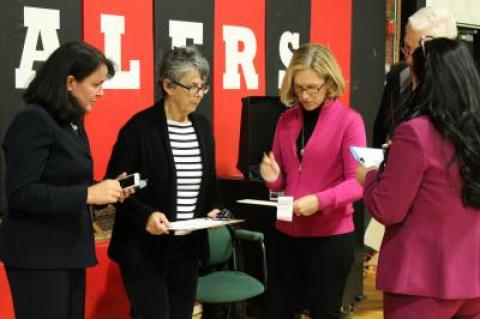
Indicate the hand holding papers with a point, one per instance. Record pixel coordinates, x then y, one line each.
367 156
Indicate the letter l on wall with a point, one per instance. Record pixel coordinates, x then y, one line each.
113 27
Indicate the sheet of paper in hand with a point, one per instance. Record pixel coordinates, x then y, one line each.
367 156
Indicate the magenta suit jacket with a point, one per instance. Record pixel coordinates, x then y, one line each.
431 245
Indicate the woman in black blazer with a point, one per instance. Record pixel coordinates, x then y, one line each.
46 237
171 146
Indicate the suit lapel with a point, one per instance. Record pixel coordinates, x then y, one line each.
79 138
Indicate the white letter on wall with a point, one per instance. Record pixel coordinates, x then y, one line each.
113 27
287 38
232 36
40 23
180 31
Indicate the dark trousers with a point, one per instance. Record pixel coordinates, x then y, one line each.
47 294
170 294
308 273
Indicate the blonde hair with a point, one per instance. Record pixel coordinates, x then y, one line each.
319 59
433 21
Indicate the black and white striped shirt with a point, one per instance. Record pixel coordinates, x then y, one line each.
188 166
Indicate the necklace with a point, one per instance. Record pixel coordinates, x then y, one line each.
303 141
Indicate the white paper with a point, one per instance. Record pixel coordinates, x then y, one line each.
196 223
184 227
367 156
285 208
374 234
257 202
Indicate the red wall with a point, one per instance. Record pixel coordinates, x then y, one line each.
118 105
331 25
328 22
248 14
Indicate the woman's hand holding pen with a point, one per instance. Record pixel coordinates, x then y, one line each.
157 224
269 168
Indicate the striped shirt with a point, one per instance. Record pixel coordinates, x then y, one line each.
188 166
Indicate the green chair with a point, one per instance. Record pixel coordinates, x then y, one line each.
230 285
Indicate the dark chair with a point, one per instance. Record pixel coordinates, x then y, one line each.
229 285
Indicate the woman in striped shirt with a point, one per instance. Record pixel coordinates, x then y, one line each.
171 146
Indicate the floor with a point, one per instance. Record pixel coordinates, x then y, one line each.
369 308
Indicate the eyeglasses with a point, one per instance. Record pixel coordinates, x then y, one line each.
311 91
194 89
406 51
423 40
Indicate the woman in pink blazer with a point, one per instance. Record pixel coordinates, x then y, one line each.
428 195
312 255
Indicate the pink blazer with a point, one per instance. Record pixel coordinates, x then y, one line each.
327 169
431 245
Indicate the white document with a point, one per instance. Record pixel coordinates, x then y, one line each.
367 156
257 202
184 227
285 208
374 234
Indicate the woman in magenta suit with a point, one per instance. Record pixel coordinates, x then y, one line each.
428 195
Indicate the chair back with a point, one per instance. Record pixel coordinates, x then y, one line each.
220 244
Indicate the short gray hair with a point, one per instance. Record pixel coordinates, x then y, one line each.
178 61
433 21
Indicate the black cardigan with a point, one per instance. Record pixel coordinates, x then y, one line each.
143 146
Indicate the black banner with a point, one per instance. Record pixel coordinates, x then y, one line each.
287 26
29 31
185 22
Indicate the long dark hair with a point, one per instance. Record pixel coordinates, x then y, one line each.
49 87
449 94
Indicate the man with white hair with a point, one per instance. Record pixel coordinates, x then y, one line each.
433 22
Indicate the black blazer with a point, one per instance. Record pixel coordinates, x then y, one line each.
143 146
49 168
395 95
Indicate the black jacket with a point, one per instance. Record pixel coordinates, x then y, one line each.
395 95
143 146
49 168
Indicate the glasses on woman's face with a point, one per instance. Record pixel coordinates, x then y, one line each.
408 51
311 91
423 40
194 88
